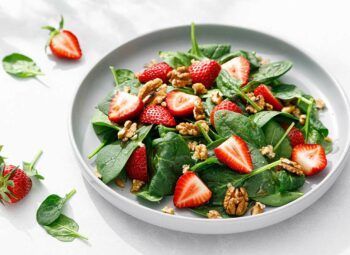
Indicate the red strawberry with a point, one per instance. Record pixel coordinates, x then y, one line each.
159 70
180 104
224 105
295 135
204 72
124 106
238 68
234 153
268 96
190 191
156 114
136 167
14 184
63 43
311 157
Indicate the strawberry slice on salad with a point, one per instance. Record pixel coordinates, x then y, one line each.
136 167
264 91
180 104
156 114
124 106
63 43
224 105
234 153
204 72
159 70
238 68
311 157
190 191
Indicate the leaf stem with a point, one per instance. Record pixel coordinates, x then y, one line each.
208 161
195 48
307 121
97 150
114 74
284 136
243 95
305 100
204 133
69 195
36 158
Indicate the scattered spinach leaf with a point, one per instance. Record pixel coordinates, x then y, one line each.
288 181
122 75
214 51
176 59
20 66
29 167
278 198
263 117
272 71
287 91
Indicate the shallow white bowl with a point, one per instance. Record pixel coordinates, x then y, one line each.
306 73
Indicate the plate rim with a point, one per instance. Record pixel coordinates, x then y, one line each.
337 168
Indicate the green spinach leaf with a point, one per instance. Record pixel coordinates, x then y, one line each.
176 59
288 181
204 209
315 137
20 66
214 51
103 106
278 198
263 117
228 86
286 91
273 133
272 71
122 75
250 56
147 196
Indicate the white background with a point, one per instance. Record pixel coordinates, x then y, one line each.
34 116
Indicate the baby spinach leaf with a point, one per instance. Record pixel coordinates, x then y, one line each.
195 50
171 153
287 91
204 209
51 208
228 86
147 196
163 130
209 162
250 56
103 106
29 167
278 198
273 133
122 75
176 59
261 118
260 185
228 123
112 158
288 181
316 137
20 66
269 72
64 229
214 51
100 120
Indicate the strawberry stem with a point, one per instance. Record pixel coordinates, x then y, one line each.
284 136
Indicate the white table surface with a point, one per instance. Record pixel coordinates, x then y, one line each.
35 116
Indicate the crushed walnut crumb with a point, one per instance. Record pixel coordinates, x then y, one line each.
200 152
199 89
291 166
136 185
97 174
264 61
236 201
151 63
168 210
268 151
192 145
180 77
214 214
158 96
120 182
149 88
258 208
126 89
185 168
320 104
302 119
198 111
250 109
216 98
128 131
187 128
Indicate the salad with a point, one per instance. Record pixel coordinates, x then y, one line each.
217 129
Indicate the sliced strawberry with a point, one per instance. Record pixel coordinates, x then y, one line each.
238 68
124 106
204 72
190 191
156 114
136 167
264 91
224 105
159 70
295 135
311 157
180 104
234 153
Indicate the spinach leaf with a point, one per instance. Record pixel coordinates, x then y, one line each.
103 106
163 130
250 56
273 133
172 153
64 229
176 59
102 125
195 50
261 185
214 51
288 181
20 66
29 167
269 72
208 106
228 123
278 198
208 163
204 209
316 137
51 208
286 91
228 86
112 158
263 117
122 75
147 196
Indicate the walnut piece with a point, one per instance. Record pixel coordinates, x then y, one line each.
203 124
185 168
291 166
192 145
136 185
198 111
158 96
120 183
260 101
302 119
180 77
200 152
268 151
199 89
216 98
187 128
258 208
128 131
214 214
236 201
288 109
250 109
149 88
168 210
320 104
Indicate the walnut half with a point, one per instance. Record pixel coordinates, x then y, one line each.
236 201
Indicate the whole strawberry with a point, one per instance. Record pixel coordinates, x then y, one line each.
204 72
159 70
14 184
63 43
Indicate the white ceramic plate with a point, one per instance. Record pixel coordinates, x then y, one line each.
306 73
